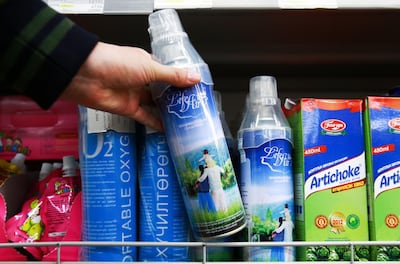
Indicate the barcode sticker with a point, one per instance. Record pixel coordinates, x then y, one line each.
306 4
99 121
77 6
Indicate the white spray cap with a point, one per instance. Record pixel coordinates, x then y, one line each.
57 165
164 23
263 90
45 170
70 166
19 161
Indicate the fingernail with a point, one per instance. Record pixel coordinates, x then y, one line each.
193 76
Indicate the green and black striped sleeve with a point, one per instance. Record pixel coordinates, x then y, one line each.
40 50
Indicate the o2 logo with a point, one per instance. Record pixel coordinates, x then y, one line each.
93 145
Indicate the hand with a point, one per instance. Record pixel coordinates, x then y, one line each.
115 79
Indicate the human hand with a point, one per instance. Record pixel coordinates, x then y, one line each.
115 79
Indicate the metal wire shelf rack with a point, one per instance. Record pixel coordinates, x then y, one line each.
204 247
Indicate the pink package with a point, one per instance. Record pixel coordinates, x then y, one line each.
7 254
27 226
37 133
70 253
53 214
58 201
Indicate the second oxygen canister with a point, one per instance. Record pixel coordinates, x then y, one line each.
265 146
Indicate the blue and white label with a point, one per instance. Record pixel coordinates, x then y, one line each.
276 158
202 161
108 167
345 171
268 195
162 212
387 181
186 104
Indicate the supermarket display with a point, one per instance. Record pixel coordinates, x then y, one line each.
265 146
38 134
330 176
382 130
194 134
332 207
162 214
107 155
306 173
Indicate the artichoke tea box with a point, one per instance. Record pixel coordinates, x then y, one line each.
329 177
382 130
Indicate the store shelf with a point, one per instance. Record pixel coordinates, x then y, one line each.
306 4
147 6
102 6
206 246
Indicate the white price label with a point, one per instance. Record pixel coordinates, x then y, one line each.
77 6
177 4
307 4
99 121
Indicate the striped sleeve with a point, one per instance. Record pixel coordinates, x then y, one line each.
40 50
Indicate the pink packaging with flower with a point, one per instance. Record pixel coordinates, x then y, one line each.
37 133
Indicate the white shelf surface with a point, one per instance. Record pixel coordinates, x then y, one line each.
147 6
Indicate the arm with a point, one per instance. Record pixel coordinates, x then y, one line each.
40 50
45 56
202 176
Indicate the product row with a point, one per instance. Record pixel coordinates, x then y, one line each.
301 171
310 170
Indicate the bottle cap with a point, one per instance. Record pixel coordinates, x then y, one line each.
164 23
57 165
45 170
19 161
70 166
263 89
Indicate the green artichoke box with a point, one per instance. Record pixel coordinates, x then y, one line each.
382 130
330 177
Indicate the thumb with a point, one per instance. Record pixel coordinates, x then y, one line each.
176 76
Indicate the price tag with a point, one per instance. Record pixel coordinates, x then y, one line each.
77 6
307 4
99 121
177 4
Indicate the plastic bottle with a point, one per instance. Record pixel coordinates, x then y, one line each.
45 170
19 161
70 166
265 146
194 134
